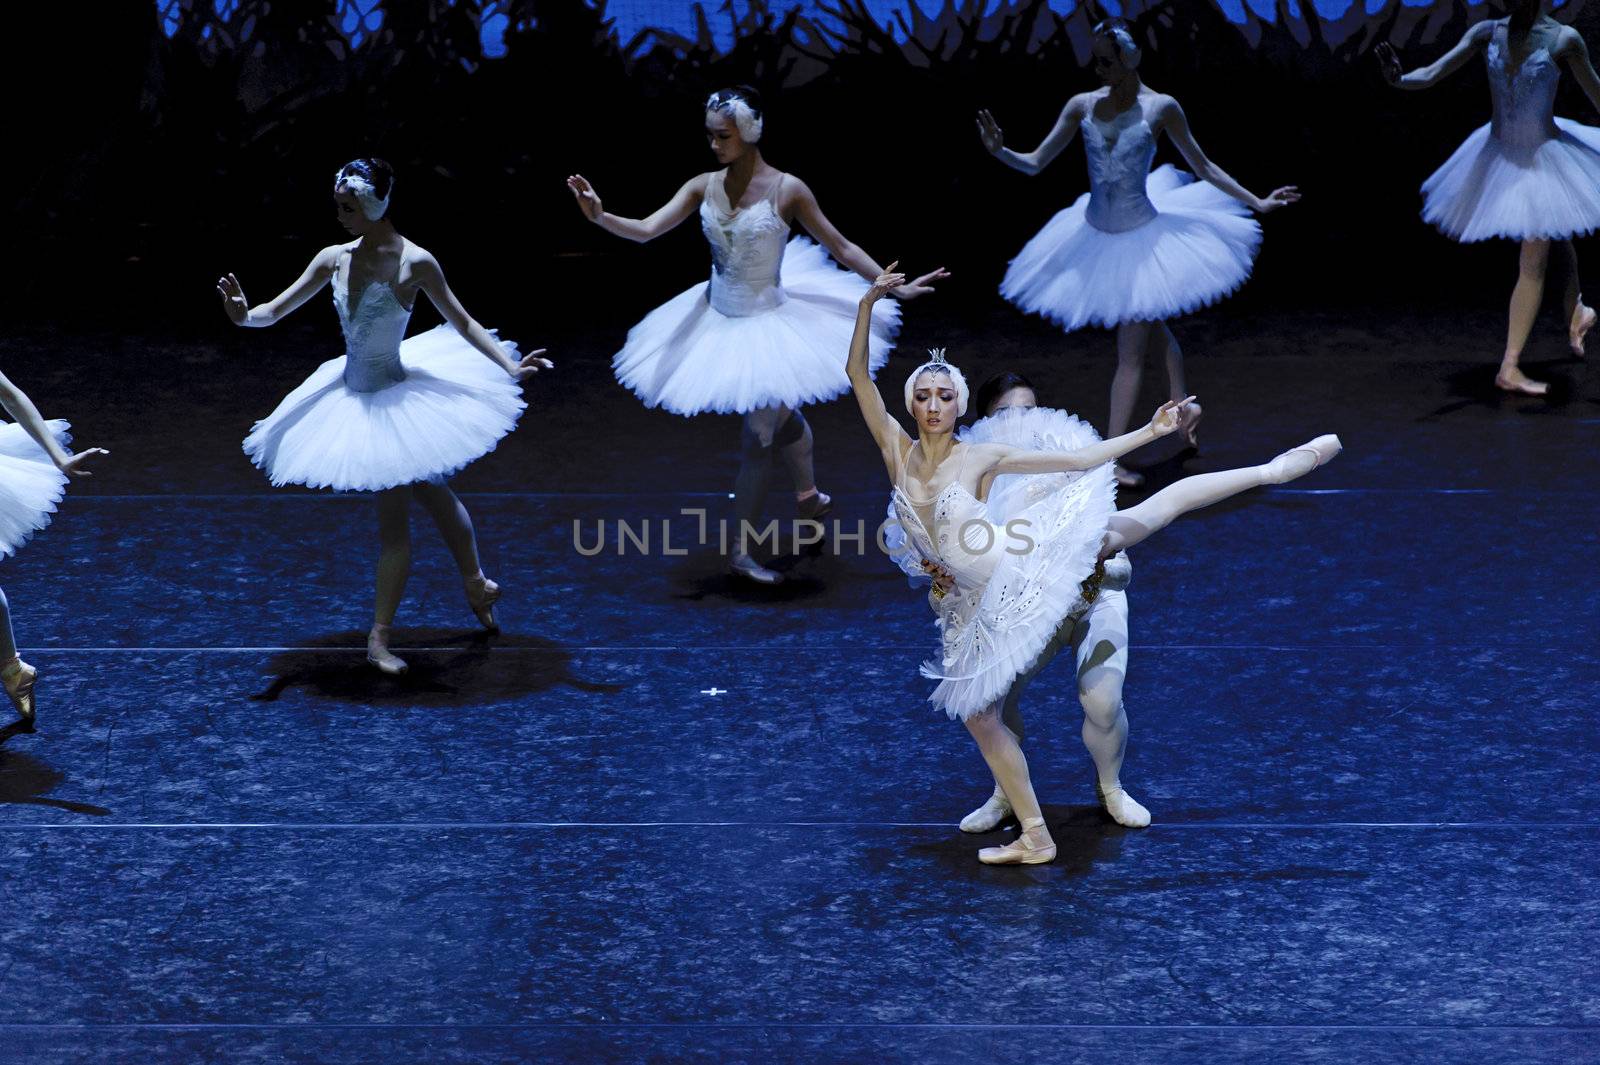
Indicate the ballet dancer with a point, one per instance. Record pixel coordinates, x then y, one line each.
392 416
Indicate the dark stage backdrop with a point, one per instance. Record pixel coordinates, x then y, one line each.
155 144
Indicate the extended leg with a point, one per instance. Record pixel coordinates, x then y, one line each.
394 566
1525 300
997 807
1006 761
455 526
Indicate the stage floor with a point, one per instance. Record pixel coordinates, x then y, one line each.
665 817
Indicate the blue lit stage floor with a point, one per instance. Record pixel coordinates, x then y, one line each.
663 817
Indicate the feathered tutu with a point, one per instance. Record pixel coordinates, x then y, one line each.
452 406
1487 189
1199 248
690 358
30 484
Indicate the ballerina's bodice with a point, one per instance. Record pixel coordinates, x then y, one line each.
1120 151
952 529
1525 98
746 251
373 329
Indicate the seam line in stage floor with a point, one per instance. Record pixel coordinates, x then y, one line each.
796 1025
1254 826
645 494
900 648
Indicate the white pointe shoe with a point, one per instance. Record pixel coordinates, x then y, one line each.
989 816
751 570
1293 463
1124 809
817 504
19 679
1033 847
482 595
378 652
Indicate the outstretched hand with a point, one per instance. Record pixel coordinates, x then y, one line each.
73 466
1279 198
588 199
921 286
1389 63
989 132
531 364
1169 416
234 305
881 287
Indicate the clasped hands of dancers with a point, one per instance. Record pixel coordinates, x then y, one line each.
764 334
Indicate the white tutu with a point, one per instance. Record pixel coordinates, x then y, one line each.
1197 249
690 358
994 630
452 407
30 484
1488 189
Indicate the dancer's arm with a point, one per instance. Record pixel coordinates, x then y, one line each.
1016 460
801 204
239 311
1060 135
684 203
1170 117
429 277
1427 77
24 413
1572 50
886 432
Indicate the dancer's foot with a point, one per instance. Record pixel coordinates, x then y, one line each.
1583 319
378 652
1125 477
1512 379
1299 461
482 595
751 570
989 816
813 504
1189 423
1033 847
19 678
1124 809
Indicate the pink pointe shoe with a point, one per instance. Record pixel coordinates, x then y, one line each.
1033 847
813 504
19 679
482 595
378 652
1299 461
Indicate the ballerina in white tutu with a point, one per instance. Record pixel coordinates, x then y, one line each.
1525 175
392 416
34 467
764 335
1139 248
1023 555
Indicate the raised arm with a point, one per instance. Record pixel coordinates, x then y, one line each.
428 275
240 312
886 432
1427 77
1572 50
684 203
24 413
1013 460
802 205
1055 141
1171 119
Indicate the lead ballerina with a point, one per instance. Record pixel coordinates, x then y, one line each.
762 337
1525 175
392 415
1140 247
1017 567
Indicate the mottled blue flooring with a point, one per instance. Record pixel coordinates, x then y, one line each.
664 817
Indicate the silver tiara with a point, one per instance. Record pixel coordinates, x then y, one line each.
936 357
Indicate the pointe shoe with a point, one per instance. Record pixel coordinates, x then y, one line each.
1189 423
989 816
1287 466
482 595
378 652
19 679
1124 809
816 505
1520 383
751 570
1033 847
1583 319
1127 478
